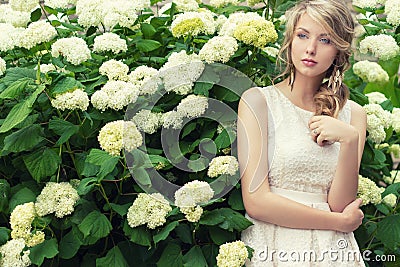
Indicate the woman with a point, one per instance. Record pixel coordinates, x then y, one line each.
300 144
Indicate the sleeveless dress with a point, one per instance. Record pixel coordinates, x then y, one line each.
301 170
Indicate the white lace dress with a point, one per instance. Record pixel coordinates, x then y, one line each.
301 170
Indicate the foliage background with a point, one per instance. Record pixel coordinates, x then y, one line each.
40 144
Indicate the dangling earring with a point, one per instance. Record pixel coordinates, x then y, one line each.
335 81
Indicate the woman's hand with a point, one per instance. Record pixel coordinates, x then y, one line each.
351 217
328 130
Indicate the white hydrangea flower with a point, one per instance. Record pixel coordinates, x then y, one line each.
233 254
393 178
368 191
193 24
147 121
229 27
395 150
221 3
172 119
254 2
122 12
74 49
370 72
192 214
150 209
219 49
381 46
141 4
114 70
118 135
89 12
390 200
59 3
45 68
392 9
24 5
368 3
13 254
219 22
36 33
193 106
21 224
109 41
396 120
377 120
115 95
193 193
2 66
271 51
181 71
186 5
376 97
76 99
58 198
14 17
223 165
146 79
9 37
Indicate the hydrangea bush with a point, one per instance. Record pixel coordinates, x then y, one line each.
90 93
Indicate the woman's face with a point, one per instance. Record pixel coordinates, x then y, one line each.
312 49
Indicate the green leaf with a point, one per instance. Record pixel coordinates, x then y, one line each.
139 235
148 30
101 158
96 225
171 256
36 15
24 195
202 88
65 85
24 139
47 249
4 235
69 245
184 233
42 163
235 200
114 257
141 176
15 89
220 236
86 185
164 233
15 74
389 231
120 209
194 258
226 218
147 45
20 111
50 10
223 140
4 195
63 128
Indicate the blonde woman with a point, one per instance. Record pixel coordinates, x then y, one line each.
300 144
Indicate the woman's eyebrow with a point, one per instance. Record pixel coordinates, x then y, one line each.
304 29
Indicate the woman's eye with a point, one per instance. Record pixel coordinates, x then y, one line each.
325 40
301 35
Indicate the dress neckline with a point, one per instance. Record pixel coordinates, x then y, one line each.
291 103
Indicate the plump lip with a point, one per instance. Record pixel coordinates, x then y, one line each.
308 60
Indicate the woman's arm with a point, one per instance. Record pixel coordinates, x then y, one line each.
259 201
345 183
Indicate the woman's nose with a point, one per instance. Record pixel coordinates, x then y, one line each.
311 47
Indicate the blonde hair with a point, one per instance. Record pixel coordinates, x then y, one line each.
336 18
